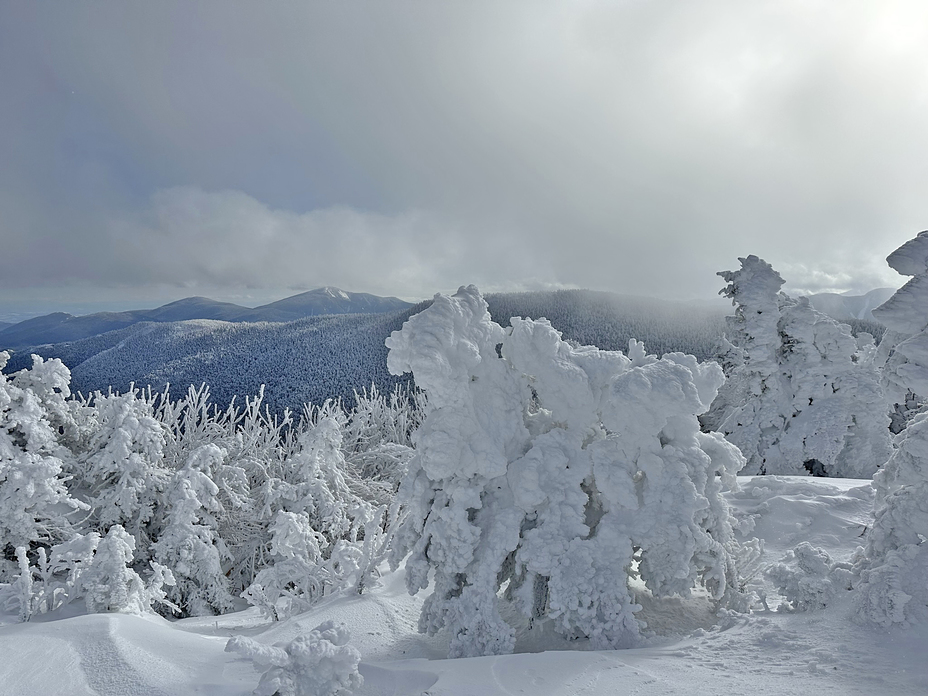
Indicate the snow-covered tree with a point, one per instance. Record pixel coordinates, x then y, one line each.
109 584
89 568
304 566
71 419
123 474
35 504
377 433
189 545
803 394
553 471
314 535
904 348
893 589
808 578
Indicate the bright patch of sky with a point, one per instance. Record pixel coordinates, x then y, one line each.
152 152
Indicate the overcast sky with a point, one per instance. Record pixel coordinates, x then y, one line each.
246 151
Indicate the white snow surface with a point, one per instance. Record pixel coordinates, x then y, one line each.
686 650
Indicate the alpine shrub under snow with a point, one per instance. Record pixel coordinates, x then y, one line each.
556 474
125 500
320 663
808 578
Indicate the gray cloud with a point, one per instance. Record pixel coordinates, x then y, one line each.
404 148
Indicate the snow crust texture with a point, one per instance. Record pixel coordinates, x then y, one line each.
554 473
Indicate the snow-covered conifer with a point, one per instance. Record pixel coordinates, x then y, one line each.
314 546
189 545
892 589
123 473
808 578
35 504
803 395
109 584
905 346
552 469
49 380
295 577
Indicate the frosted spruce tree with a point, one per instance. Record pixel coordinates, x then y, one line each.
316 520
110 585
803 394
553 472
35 504
751 406
893 588
123 475
189 545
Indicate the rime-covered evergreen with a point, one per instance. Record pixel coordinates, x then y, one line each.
803 394
318 663
552 470
36 506
893 587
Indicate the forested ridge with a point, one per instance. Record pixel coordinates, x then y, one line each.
329 357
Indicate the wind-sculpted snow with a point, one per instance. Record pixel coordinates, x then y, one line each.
911 259
548 471
905 347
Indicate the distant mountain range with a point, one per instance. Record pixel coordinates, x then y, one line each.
61 327
849 307
329 356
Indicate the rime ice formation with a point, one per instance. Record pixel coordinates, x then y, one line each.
893 587
123 499
552 471
803 394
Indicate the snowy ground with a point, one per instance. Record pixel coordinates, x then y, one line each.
690 651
